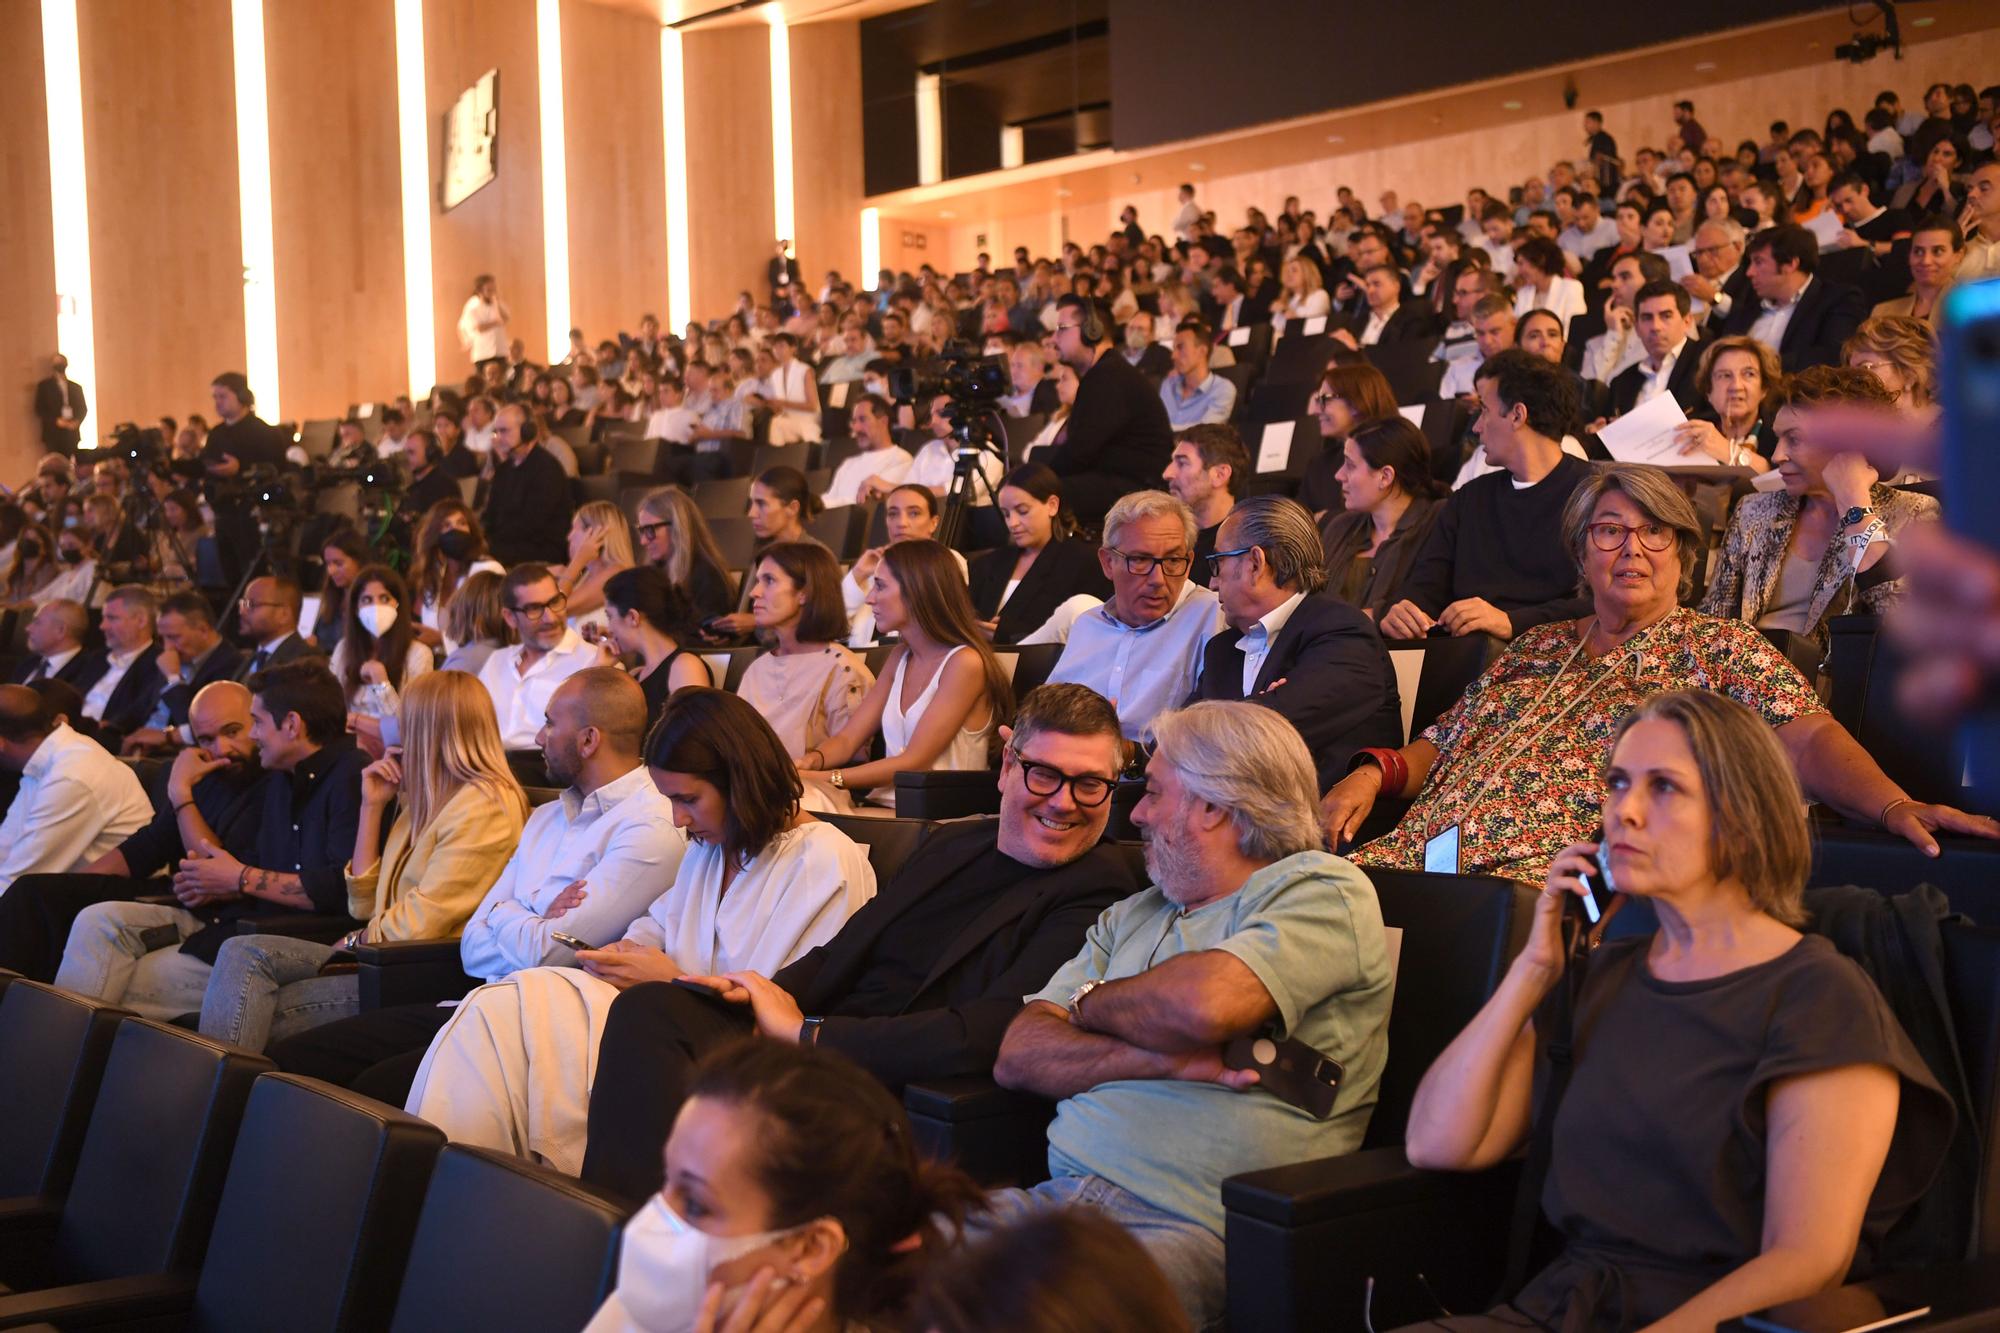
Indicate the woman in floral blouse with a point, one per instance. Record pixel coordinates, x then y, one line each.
1514 765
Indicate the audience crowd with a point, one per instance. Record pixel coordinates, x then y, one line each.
598 673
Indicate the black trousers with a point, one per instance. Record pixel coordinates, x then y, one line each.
653 1037
376 1054
37 912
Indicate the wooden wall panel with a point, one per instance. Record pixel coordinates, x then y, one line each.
826 149
499 229
27 254
166 251
617 168
730 210
336 211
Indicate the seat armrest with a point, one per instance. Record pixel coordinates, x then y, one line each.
411 972
999 1137
1370 1181
315 926
960 1100
29 1213
947 793
119 1302
1963 1298
406 953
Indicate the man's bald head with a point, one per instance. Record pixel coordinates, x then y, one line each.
219 719
25 722
608 699
58 627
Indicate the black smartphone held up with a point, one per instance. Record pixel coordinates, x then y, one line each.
1969 390
1598 887
569 941
1290 1070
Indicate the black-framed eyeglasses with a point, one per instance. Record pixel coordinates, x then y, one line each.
1216 558
536 610
1173 566
645 530
1086 789
1611 536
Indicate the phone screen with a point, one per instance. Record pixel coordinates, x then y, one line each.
1441 853
1969 389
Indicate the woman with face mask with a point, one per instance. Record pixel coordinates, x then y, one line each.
30 568
761 1226
760 883
450 547
378 651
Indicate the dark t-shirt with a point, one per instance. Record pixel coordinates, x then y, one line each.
248 439
902 958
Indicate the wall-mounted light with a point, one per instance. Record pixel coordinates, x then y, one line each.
871 244
781 124
673 124
413 142
69 201
253 189
555 175
930 129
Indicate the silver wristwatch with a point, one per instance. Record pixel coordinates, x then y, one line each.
1076 1001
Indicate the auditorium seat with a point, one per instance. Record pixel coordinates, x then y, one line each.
1451 663
634 455
836 450
53 1046
410 972
1021 432
1863 667
842 529
1446 424
780 455
727 665
947 793
1027 665
502 1243
1298 360
1967 870
890 842
147 1181
726 497
1413 377
735 538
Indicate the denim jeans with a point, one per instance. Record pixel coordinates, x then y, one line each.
267 988
109 958
1190 1256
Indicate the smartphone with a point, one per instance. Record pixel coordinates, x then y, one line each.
1441 853
1598 886
1290 1070
569 941
1844 1310
1969 390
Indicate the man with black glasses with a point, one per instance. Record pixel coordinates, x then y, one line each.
522 678
922 982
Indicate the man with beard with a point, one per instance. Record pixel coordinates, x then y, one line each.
923 980
1250 930
219 775
587 865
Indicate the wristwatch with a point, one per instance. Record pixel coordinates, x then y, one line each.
838 779
1076 1001
1855 515
809 1031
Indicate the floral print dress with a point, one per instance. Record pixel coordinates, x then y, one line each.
1521 756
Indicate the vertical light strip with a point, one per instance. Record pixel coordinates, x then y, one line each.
253 189
555 174
781 124
69 201
413 132
673 122
930 129
1013 146
871 247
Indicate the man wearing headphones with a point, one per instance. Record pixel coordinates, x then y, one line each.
429 483
1117 439
238 440
529 506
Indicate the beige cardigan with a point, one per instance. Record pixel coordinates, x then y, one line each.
432 886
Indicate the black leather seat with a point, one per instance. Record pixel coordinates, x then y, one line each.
53 1046
1450 665
410 972
1863 667
147 1182
1303 1239
1031 662
505 1244
948 793
890 842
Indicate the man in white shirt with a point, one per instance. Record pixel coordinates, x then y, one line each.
789 392
671 418
1027 367
1982 243
76 802
482 324
1589 231
855 354
129 616
1608 354
1493 323
477 435
1384 293
1671 353
1189 215
1194 394
55 638
1496 237
880 466
522 679
395 437
1142 649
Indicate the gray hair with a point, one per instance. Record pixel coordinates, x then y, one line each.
1137 506
1284 530
1732 230
1250 761
136 597
1658 498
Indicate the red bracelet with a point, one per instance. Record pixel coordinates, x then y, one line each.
1395 770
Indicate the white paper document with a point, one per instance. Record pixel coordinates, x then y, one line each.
1680 262
1313 327
1826 227
1646 435
1274 451
1413 414
1240 336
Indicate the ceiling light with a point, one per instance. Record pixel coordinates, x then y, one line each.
1510 106
1197 166
1704 66
1336 138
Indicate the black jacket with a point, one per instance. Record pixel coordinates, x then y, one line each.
132 699
952 1025
1338 688
1065 567
528 510
1625 385
72 672
435 485
1825 317
290 648
221 664
53 401
1504 546
1411 322
1117 432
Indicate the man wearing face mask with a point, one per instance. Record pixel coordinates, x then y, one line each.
36 914
921 982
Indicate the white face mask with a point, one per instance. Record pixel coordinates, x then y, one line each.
377 618
664 1265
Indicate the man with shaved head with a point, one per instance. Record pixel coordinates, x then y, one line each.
75 801
36 914
55 645
587 866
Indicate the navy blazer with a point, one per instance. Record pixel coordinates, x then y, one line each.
1825 316
290 649
1339 687
1625 385
132 699
72 672
221 664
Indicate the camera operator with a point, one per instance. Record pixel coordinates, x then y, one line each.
1117 439
238 442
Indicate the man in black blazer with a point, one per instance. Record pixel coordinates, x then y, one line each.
922 982
194 655
124 680
269 618
1803 317
60 407
1289 645
1673 352
55 645
1390 318
1117 438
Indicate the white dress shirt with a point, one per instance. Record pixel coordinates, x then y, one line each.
521 701
845 489
1371 332
1564 300
1774 319
620 840
100 693
1457 381
1255 645
1142 669
76 802
932 467
386 448
483 344
1653 379
479 439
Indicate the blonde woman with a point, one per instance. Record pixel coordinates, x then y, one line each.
600 544
1303 295
460 816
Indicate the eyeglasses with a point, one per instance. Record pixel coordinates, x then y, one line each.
1215 560
536 610
1086 789
249 605
1709 250
1323 397
646 530
1611 536
1173 566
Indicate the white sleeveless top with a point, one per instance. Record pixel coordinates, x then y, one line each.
967 748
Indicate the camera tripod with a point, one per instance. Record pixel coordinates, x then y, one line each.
976 442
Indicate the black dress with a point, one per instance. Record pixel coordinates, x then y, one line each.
1065 568
654 683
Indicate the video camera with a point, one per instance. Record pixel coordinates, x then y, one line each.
142 448
966 377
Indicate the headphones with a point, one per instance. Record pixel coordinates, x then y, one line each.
1091 329
528 433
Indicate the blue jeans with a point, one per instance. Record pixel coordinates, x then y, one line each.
267 988
1190 1256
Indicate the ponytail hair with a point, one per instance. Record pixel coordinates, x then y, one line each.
1394 441
788 484
830 1141
1040 480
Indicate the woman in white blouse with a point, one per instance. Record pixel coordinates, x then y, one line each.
943 694
1302 294
910 513
1542 281
762 883
379 651
808 685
